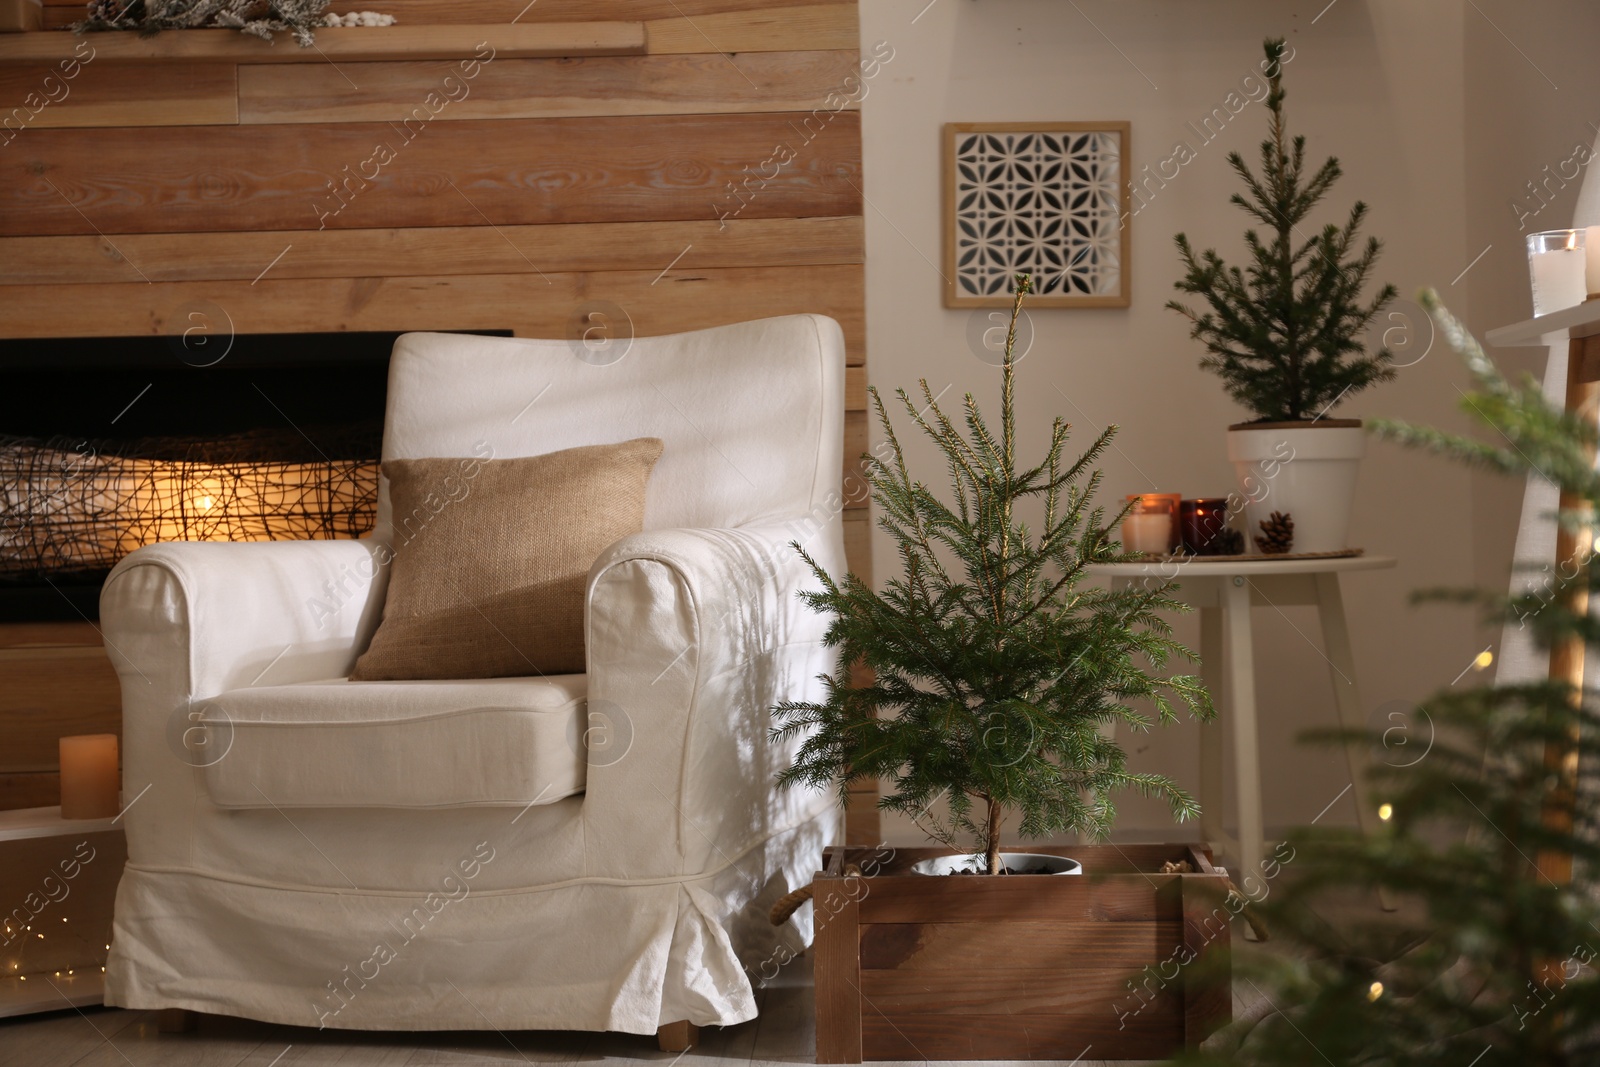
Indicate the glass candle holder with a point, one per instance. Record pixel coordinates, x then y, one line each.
1151 526
1199 522
1557 269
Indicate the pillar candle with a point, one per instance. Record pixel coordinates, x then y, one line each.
1559 278
90 779
1149 531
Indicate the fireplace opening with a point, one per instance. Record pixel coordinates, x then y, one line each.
109 444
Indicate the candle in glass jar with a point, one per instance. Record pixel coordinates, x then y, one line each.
1558 281
90 779
1149 532
1560 269
1201 520
1156 530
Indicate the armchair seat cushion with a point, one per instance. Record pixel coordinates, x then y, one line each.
412 744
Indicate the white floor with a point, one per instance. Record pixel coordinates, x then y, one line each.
110 1037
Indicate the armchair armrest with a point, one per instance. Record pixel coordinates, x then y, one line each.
186 621
749 573
693 636
213 616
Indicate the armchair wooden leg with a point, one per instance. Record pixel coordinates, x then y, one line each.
177 1020
678 1036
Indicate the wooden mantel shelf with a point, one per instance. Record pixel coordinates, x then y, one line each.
529 41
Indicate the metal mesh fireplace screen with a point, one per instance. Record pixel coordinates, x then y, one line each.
73 507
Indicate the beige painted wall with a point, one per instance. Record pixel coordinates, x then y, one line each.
1533 96
1381 85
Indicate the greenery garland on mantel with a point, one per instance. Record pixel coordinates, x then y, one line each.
259 18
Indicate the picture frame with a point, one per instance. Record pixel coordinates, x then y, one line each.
1049 198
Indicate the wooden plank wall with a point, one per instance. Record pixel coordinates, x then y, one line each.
505 200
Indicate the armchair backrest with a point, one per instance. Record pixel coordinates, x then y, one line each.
751 415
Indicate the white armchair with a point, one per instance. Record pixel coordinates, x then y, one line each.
584 852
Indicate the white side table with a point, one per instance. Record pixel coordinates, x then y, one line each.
1225 589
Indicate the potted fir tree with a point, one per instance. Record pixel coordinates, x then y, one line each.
1285 335
995 671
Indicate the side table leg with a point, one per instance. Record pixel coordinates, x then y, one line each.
1347 698
1246 746
1213 673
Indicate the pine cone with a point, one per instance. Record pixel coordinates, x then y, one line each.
1277 534
1227 542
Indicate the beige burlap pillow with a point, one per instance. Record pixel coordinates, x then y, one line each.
491 558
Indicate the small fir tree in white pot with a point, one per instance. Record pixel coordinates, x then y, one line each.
1285 334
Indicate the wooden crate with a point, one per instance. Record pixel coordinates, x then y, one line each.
1120 962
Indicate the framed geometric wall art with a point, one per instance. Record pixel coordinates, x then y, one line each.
1048 198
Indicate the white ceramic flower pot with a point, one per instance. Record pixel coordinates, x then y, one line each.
1011 861
1306 470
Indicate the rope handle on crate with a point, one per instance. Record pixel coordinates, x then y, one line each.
790 903
1185 867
